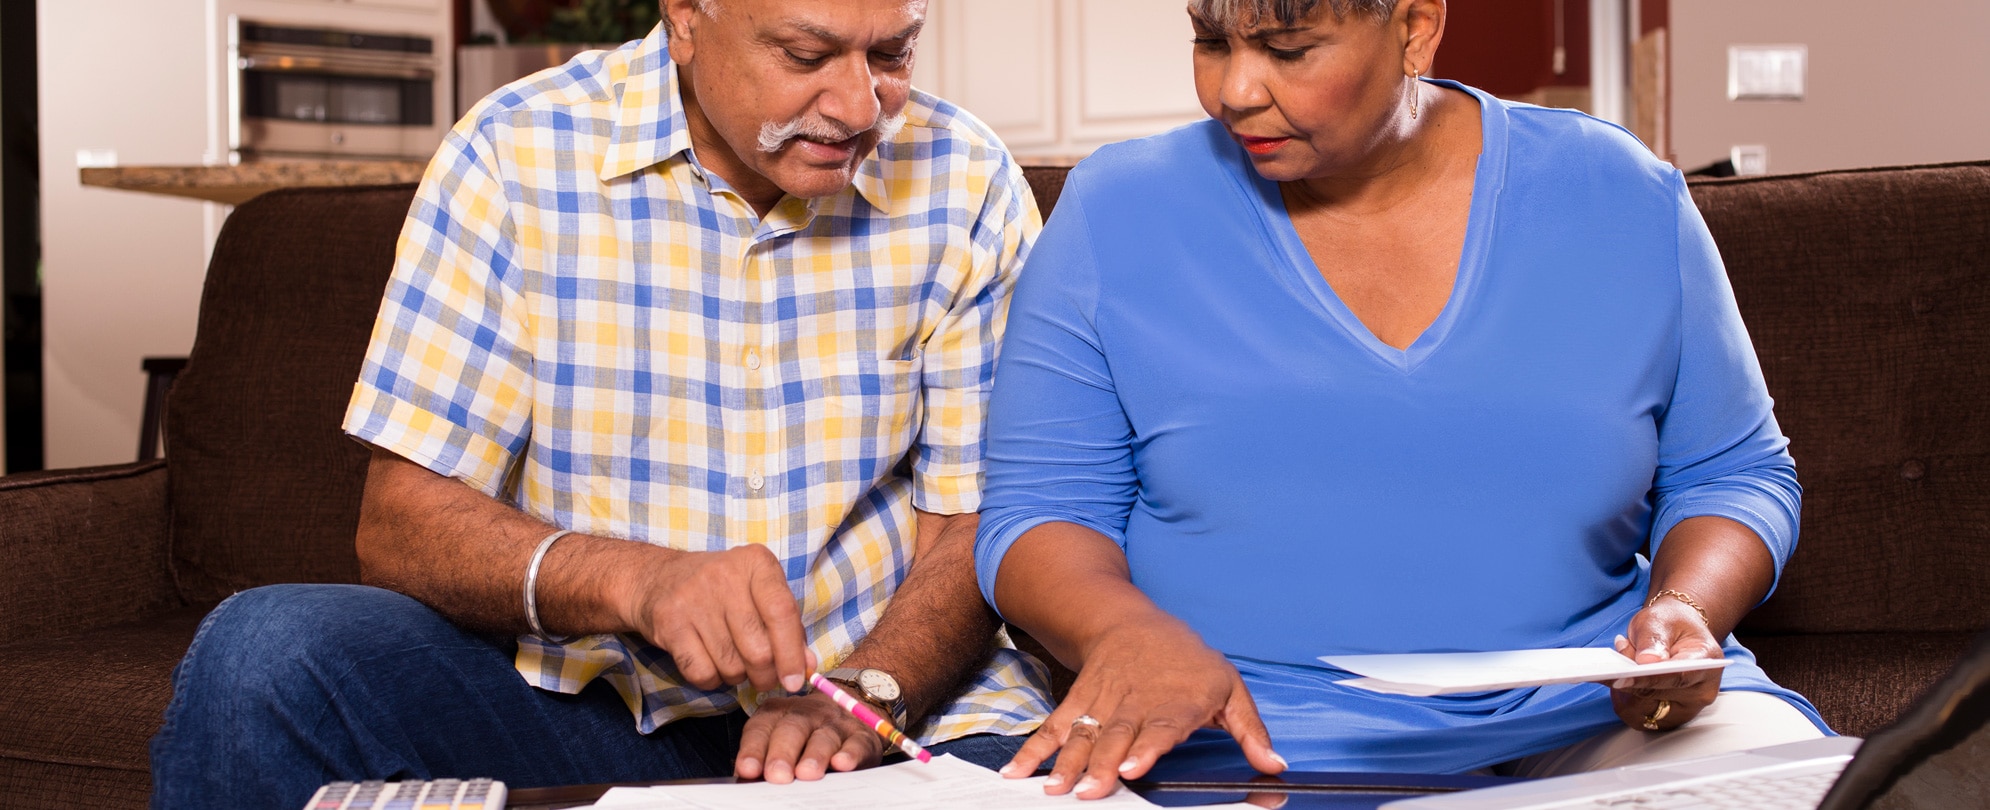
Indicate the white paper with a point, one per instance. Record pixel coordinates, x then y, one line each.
947 781
1425 674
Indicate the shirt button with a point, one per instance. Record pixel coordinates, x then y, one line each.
755 482
753 360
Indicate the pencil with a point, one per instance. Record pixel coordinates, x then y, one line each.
864 713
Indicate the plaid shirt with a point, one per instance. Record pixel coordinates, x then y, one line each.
584 322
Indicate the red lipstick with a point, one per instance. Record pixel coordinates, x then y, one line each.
1262 146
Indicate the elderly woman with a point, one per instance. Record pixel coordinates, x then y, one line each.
1371 363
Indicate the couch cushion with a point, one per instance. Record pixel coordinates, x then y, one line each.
72 787
1868 298
80 710
82 549
1860 682
265 486
1046 184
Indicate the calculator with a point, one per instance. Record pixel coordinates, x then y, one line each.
434 794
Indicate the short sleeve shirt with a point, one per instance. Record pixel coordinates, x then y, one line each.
585 323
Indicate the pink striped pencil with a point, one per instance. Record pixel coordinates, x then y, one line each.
864 713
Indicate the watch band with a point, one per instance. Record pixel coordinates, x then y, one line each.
851 678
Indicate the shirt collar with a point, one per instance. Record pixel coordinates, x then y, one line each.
651 127
649 116
869 178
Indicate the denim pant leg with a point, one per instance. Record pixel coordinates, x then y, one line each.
991 751
290 686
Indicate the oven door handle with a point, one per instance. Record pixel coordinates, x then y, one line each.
313 64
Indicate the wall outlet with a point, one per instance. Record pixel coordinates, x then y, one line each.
1749 161
1767 72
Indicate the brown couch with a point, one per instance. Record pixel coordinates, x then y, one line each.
1867 293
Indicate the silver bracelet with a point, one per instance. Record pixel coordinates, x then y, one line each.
532 589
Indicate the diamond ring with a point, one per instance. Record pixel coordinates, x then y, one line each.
1085 721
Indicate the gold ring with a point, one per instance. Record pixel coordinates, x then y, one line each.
1085 721
1651 720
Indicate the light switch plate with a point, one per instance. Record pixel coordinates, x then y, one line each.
96 158
1750 160
1774 72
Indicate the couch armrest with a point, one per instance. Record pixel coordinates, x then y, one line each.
84 548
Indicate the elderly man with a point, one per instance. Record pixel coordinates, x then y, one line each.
675 397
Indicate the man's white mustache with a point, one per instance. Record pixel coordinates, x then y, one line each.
774 136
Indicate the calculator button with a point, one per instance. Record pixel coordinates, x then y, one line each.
331 796
441 795
367 796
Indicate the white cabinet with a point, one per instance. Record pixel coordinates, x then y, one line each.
999 60
1130 69
1061 77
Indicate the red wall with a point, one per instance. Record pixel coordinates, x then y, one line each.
1656 14
1506 47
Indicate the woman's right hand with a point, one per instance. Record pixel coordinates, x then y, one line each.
1148 685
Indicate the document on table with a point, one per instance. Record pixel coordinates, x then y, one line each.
1426 674
947 781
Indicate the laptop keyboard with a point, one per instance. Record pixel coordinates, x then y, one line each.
1759 791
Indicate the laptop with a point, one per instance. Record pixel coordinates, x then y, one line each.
1935 755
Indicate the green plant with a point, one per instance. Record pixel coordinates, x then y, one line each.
600 21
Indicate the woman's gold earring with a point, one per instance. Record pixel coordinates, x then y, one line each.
1416 93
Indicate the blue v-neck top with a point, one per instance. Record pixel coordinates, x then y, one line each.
1178 376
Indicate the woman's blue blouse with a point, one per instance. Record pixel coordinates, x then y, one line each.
1178 376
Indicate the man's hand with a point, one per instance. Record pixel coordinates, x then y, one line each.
724 617
936 628
791 738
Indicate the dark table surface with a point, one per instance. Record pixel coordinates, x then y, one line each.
1301 791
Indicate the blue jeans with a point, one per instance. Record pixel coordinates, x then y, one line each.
288 687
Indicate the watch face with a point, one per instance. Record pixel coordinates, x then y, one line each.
878 684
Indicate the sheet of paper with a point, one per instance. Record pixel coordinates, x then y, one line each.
947 781
1425 674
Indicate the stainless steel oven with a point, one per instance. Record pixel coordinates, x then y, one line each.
299 92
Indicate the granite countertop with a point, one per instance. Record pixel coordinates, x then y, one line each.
235 185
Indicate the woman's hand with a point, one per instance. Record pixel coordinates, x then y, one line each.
1667 629
1145 688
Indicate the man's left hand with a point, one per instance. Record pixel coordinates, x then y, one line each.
804 737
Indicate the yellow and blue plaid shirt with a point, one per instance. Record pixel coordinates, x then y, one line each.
584 322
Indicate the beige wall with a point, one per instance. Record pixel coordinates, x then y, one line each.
122 270
1903 81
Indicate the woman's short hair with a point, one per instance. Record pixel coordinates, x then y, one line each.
1233 14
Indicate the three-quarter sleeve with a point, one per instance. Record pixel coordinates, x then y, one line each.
1059 444
1720 451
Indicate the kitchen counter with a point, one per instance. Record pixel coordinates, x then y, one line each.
235 185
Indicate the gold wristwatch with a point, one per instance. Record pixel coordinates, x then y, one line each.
874 685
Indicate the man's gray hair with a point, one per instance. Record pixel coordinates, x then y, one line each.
1235 14
709 8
